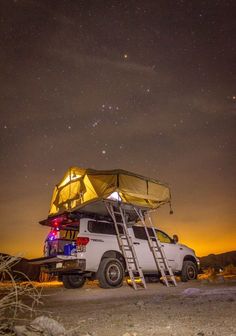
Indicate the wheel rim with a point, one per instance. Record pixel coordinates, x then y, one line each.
191 273
113 273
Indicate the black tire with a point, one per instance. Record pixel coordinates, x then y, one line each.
73 280
189 271
110 273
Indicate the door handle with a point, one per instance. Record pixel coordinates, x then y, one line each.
136 243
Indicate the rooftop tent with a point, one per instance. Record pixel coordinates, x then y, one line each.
82 188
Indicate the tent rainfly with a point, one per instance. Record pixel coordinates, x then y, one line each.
81 187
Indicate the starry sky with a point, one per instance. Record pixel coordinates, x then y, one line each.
146 86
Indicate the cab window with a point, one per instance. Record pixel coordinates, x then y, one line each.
103 227
140 233
163 237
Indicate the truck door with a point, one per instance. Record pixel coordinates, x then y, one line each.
170 248
144 254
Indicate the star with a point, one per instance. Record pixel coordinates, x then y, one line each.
95 123
125 56
104 151
69 127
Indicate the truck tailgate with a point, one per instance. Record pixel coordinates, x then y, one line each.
48 260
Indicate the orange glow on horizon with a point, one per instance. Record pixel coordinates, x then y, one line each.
29 243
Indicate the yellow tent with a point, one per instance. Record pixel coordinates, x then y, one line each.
82 187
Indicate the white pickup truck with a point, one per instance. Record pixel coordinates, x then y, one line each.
88 248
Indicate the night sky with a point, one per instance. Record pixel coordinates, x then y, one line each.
146 86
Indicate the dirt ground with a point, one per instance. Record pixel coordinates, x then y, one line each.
193 308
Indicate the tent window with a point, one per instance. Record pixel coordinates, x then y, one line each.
103 227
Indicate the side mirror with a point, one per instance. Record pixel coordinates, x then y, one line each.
175 238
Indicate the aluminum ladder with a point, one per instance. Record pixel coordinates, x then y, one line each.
157 251
126 245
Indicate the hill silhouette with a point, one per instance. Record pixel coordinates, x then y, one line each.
218 261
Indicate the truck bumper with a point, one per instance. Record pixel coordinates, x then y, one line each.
68 266
60 264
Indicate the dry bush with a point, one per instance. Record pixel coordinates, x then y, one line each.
210 272
229 270
16 298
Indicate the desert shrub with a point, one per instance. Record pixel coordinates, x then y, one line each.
210 272
229 270
14 295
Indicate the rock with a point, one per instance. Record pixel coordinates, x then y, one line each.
24 331
140 303
43 326
191 291
48 326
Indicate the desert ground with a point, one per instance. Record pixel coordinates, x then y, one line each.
194 308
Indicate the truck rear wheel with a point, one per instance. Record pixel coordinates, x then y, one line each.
110 273
73 280
189 271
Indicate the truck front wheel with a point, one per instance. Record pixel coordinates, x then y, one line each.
73 280
189 271
110 273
